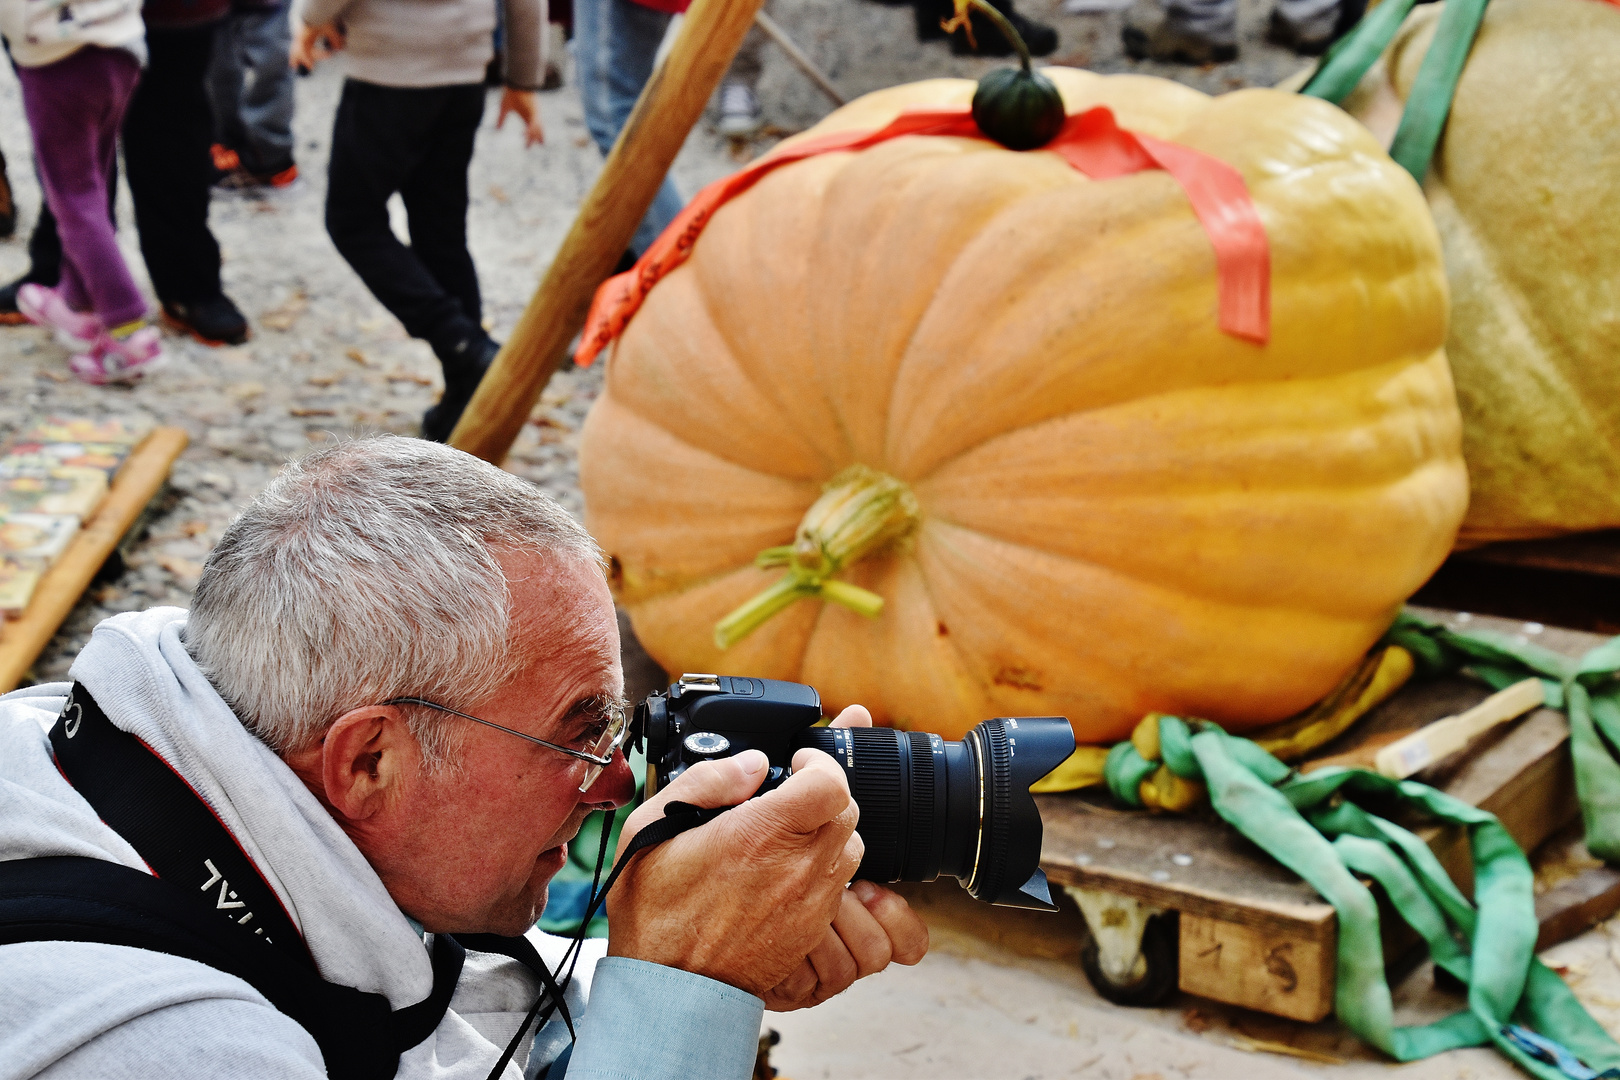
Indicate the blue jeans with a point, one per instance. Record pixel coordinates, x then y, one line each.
615 42
250 88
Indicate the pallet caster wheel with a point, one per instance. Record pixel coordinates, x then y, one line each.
1131 949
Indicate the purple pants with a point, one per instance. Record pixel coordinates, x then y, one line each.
75 107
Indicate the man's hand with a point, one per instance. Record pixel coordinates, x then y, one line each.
526 106
312 44
756 898
874 926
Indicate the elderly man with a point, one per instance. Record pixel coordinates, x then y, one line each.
398 690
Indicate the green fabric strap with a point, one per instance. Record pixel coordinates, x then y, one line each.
1429 102
1588 690
1322 827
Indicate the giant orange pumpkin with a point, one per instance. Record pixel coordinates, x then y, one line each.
1093 502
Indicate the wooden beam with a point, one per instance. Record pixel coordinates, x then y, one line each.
671 102
141 477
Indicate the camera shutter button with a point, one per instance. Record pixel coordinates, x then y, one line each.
706 744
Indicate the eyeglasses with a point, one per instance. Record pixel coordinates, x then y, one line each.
597 752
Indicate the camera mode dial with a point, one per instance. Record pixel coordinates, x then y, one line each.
707 744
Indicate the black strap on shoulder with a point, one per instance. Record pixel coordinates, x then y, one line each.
200 867
70 898
147 803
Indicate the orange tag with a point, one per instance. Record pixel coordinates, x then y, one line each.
1091 142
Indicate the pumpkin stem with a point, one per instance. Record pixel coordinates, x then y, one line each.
861 510
961 20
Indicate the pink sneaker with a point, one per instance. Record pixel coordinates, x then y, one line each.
77 330
125 360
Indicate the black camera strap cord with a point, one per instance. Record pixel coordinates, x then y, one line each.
206 901
678 817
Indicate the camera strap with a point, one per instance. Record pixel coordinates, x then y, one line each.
199 867
678 817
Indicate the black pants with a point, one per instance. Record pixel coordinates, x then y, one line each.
167 131
417 141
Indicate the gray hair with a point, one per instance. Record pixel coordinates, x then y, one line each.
367 571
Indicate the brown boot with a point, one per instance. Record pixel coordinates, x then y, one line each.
1154 33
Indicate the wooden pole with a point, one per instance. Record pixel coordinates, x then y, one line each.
60 587
669 105
799 57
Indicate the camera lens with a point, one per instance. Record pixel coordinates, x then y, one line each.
931 807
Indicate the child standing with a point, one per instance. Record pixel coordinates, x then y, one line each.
78 65
410 109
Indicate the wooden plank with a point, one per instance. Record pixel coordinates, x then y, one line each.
669 105
1595 553
1191 863
141 477
1575 906
1282 974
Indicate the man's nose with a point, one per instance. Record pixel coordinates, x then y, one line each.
615 787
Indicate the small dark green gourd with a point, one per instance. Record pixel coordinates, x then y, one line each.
1017 107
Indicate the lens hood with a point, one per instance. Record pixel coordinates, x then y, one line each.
1012 754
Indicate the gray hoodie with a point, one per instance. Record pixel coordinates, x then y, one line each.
78 1009
433 42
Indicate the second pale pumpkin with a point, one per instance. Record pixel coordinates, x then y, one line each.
1111 506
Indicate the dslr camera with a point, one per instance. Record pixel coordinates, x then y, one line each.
928 806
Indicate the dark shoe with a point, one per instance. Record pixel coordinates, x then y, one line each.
8 208
1153 33
214 321
464 366
988 40
1316 38
931 16
242 179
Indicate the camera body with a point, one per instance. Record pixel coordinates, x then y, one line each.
928 806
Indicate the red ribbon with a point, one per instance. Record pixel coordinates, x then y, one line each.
1092 142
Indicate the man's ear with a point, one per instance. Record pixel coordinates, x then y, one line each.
368 758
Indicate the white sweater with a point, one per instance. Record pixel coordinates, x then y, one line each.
42 32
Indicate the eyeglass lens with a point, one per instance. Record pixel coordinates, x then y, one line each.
604 742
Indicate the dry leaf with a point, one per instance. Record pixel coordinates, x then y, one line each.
1196 1021
186 570
283 317
194 528
312 412
499 194
1266 1046
321 380
357 356
54 376
244 391
410 377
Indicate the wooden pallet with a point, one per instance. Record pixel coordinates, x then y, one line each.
141 477
1253 934
1567 581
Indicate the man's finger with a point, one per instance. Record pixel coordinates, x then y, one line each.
854 716
906 932
836 970
816 793
796 991
863 936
